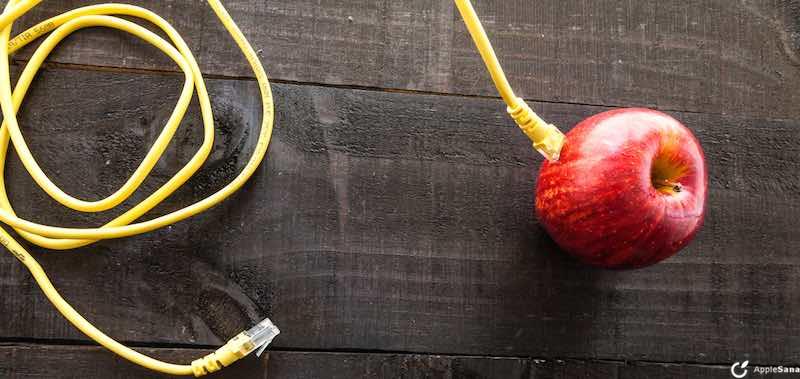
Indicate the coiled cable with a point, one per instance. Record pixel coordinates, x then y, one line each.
60 238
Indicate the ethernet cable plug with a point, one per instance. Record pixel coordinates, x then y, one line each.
262 335
255 339
546 138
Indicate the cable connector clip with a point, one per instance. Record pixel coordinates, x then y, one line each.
255 339
262 335
546 138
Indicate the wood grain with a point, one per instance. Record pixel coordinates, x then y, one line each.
62 362
34 361
300 365
395 222
574 369
711 56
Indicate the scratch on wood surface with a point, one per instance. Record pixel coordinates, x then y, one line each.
784 20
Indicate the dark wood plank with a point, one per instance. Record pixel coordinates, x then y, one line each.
397 222
87 362
484 367
701 55
574 369
681 371
39 361
301 365
577 369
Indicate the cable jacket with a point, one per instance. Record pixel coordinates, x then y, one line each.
59 238
546 138
484 46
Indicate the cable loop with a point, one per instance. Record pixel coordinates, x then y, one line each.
60 238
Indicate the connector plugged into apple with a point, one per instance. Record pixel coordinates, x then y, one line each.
625 188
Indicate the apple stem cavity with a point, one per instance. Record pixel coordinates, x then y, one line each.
665 175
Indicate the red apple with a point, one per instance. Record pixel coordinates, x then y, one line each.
628 191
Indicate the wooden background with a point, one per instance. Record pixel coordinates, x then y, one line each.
390 231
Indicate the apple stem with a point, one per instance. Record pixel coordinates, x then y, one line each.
670 186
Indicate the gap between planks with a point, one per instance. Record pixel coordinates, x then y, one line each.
56 343
152 71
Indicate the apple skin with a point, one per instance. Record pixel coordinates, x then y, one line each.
628 191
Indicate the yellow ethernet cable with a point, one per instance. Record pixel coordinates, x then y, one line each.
51 237
546 138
